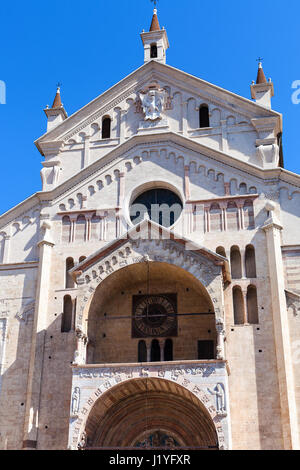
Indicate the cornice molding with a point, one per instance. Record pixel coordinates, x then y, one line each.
128 85
120 152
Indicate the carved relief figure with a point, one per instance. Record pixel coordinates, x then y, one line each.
219 393
75 401
152 103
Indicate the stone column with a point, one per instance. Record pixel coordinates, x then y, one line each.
32 412
223 206
188 220
240 205
206 218
86 155
73 219
245 305
148 346
243 262
184 118
187 190
224 144
88 218
220 339
6 249
162 352
272 228
122 124
121 222
121 193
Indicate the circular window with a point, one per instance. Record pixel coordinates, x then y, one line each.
162 206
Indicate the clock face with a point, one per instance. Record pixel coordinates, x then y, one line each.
154 315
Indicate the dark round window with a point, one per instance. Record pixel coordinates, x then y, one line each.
162 206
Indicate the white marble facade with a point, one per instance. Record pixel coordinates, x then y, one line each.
233 193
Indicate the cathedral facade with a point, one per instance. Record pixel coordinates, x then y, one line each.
150 292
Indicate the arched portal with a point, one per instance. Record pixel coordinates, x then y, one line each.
150 413
180 309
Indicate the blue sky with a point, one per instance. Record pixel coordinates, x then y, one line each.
91 45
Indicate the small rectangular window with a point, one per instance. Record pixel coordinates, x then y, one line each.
206 350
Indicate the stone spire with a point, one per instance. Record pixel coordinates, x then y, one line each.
261 78
155 41
262 91
57 100
154 23
57 113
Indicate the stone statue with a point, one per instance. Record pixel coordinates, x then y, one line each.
152 103
80 352
219 393
75 401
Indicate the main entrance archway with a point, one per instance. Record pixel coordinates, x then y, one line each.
150 413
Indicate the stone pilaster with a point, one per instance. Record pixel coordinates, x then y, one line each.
86 151
272 228
32 412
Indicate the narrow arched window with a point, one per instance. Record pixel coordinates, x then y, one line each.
232 216
66 229
80 234
236 262
248 210
250 261
243 188
153 51
66 320
252 307
221 251
215 216
204 116
106 128
95 227
238 306
168 350
142 351
69 283
2 242
155 351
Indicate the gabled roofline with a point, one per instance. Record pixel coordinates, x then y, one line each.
53 134
147 224
171 137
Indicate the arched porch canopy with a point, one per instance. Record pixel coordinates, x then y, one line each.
150 242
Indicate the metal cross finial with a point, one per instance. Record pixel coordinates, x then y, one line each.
260 59
59 84
155 3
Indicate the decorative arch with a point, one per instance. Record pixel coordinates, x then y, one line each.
252 305
236 262
69 282
146 186
200 269
110 417
238 306
66 319
250 262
